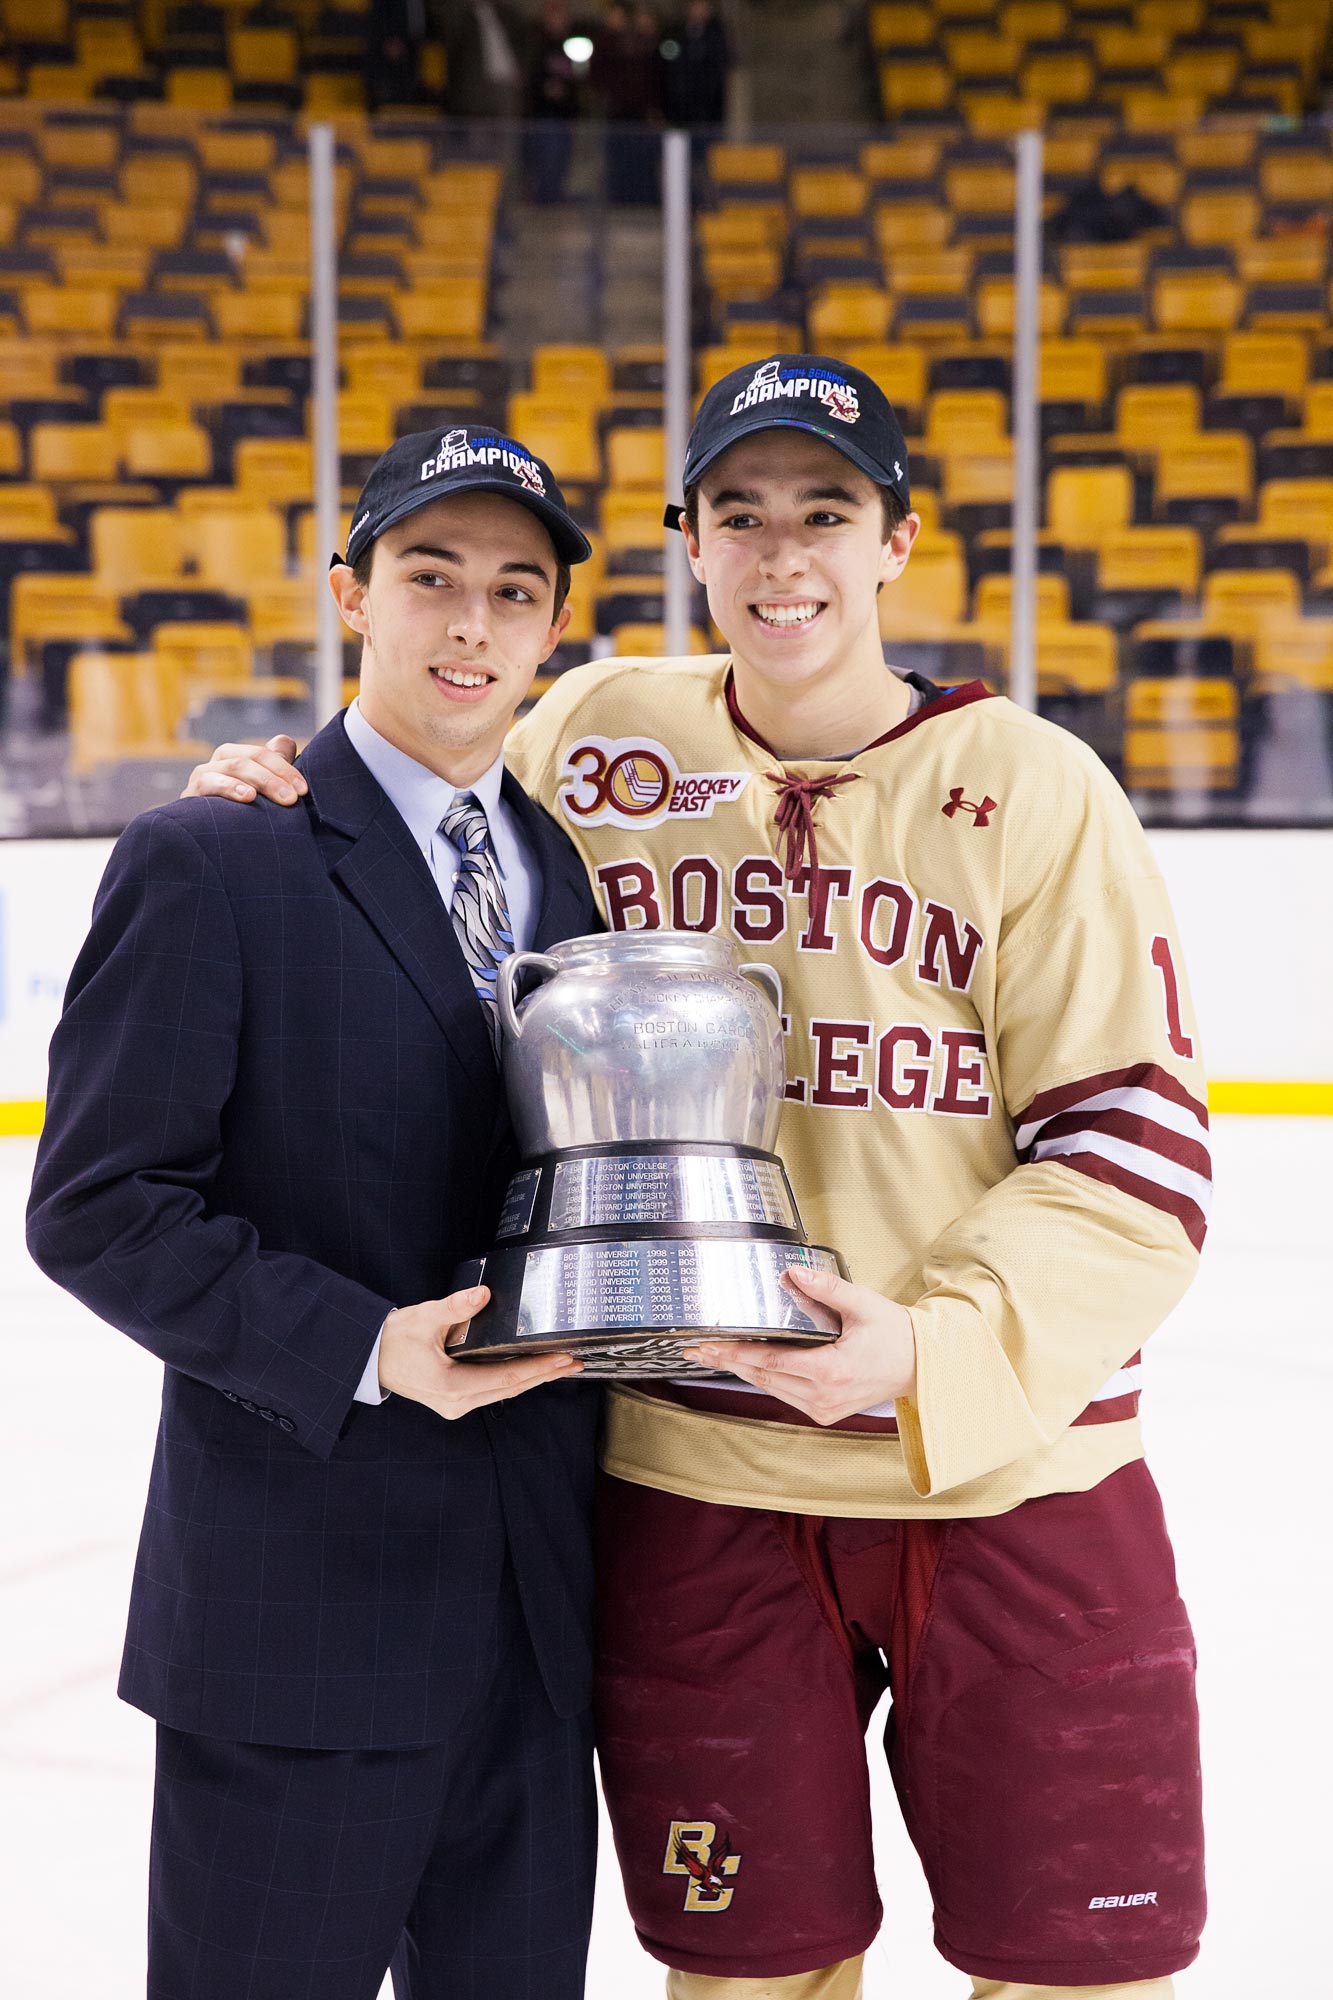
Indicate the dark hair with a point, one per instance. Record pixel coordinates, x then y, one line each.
361 571
894 511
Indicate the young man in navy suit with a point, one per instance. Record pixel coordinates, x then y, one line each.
275 1127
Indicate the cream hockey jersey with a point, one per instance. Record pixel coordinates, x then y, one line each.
995 1105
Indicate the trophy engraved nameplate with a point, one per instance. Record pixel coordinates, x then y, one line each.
644 1075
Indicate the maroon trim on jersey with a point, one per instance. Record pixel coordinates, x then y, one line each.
1114 1411
1136 1131
1187 1213
1144 1076
944 704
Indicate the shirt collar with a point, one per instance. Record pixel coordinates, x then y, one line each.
421 796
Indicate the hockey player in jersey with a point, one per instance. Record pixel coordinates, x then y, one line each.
996 1111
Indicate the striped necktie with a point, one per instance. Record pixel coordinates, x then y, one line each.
479 911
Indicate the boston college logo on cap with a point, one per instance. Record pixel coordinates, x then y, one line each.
772 381
529 474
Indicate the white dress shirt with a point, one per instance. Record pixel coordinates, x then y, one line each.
422 799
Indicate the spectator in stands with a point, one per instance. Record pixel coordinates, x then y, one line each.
485 46
395 32
553 103
697 75
1092 215
626 79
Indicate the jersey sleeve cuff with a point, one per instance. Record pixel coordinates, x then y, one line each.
969 1415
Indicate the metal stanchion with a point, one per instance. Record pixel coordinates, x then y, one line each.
324 404
676 388
1026 517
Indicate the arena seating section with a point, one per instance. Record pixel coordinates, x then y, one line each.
156 533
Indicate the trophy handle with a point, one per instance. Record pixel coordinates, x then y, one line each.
509 970
766 976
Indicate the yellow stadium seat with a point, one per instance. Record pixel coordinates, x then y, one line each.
259 315
1034 20
83 311
11 451
284 610
979 477
899 370
1297 176
1086 504
60 82
1120 46
1202 72
43 608
930 597
630 521
365 421
732 165
906 87
136 547
580 373
1296 655
1152 416
827 192
279 470
734 276
1217 465
1151 558
235 150
840 314
391 370
996 310
1108 267
1073 371
199 89
1196 302
930 271
981 52
1264 364
910 157
912 225
1283 260
1317 414
454 312
168 180
993 600
28 367
198 372
966 420
28 511
1222 145
636 642
204 657
980 189
115 266
1298 507
63 452
1181 735
122 409
263 55
1220 215
232 547
636 457
1246 601
1161 111
1077 659
900 26
1056 76
564 437
738 226
166 450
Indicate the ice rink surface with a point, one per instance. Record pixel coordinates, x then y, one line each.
1239 1423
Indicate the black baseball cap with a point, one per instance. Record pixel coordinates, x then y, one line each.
468 458
804 392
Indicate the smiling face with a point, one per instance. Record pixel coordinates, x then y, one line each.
457 616
791 548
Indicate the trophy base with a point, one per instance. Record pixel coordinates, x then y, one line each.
627 1308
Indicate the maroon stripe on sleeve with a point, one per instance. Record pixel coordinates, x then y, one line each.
1136 1131
1146 1076
1187 1213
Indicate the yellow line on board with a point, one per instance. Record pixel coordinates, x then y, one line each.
20 1120
1262 1100
1273 1100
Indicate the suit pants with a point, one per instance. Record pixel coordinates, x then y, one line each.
281 1874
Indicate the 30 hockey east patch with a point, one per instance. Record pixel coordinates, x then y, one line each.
634 781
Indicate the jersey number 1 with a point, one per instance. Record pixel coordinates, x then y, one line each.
1182 1043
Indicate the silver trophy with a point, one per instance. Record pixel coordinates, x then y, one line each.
644 1074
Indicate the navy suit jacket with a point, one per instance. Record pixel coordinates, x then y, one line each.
274 1114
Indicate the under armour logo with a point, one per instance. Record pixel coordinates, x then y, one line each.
956 803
